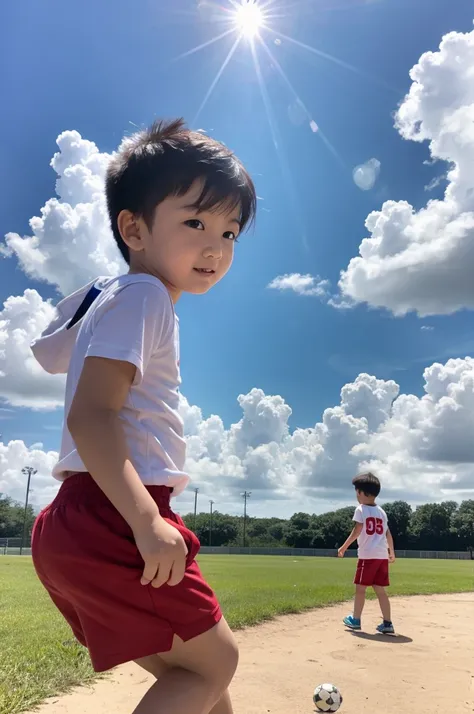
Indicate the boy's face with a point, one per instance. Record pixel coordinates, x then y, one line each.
189 252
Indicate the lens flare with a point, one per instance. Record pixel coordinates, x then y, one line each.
260 22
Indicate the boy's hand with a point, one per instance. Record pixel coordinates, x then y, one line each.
391 557
164 552
341 552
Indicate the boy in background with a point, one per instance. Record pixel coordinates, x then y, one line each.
376 551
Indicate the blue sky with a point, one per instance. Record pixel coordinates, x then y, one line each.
101 69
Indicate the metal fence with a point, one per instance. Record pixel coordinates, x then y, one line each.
12 546
332 553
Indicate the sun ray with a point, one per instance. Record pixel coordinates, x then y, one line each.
265 5
217 78
332 58
265 97
285 170
204 45
298 99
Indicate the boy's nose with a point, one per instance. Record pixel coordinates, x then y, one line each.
213 251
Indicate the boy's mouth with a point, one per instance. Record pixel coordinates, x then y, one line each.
205 271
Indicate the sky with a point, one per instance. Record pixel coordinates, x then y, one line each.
342 338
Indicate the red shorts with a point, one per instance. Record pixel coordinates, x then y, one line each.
372 572
86 557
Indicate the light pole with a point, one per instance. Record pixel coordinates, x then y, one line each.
211 503
26 471
245 495
195 507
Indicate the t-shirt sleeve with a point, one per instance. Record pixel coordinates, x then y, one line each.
131 325
358 515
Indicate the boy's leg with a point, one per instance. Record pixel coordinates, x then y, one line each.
195 675
359 601
360 580
384 603
353 621
382 581
157 667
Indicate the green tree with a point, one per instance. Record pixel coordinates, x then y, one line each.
463 525
224 528
430 526
399 515
276 530
298 531
302 521
265 532
297 538
257 528
336 526
5 515
11 518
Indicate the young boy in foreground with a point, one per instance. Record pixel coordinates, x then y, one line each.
376 551
115 559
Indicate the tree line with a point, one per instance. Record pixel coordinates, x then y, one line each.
12 516
433 526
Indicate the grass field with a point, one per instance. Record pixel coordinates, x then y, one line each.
38 657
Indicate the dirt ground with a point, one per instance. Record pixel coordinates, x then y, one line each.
428 667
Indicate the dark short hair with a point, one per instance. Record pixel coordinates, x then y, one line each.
367 483
165 160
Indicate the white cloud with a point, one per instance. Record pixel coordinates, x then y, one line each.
301 284
444 417
23 383
423 260
427 444
71 242
422 447
13 457
435 182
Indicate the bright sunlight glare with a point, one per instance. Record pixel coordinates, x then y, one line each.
248 18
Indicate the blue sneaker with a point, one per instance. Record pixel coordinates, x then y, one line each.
386 628
351 623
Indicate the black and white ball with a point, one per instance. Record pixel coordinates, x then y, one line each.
327 698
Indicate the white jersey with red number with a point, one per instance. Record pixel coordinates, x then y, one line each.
372 541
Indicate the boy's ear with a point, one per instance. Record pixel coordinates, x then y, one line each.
130 228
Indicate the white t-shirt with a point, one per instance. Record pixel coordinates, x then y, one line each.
133 320
372 541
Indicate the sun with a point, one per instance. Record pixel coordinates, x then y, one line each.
248 18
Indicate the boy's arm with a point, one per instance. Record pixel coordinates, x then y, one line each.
355 533
391 547
94 424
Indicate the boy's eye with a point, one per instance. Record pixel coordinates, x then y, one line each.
195 223
198 225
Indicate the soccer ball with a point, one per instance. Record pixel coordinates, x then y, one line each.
327 698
